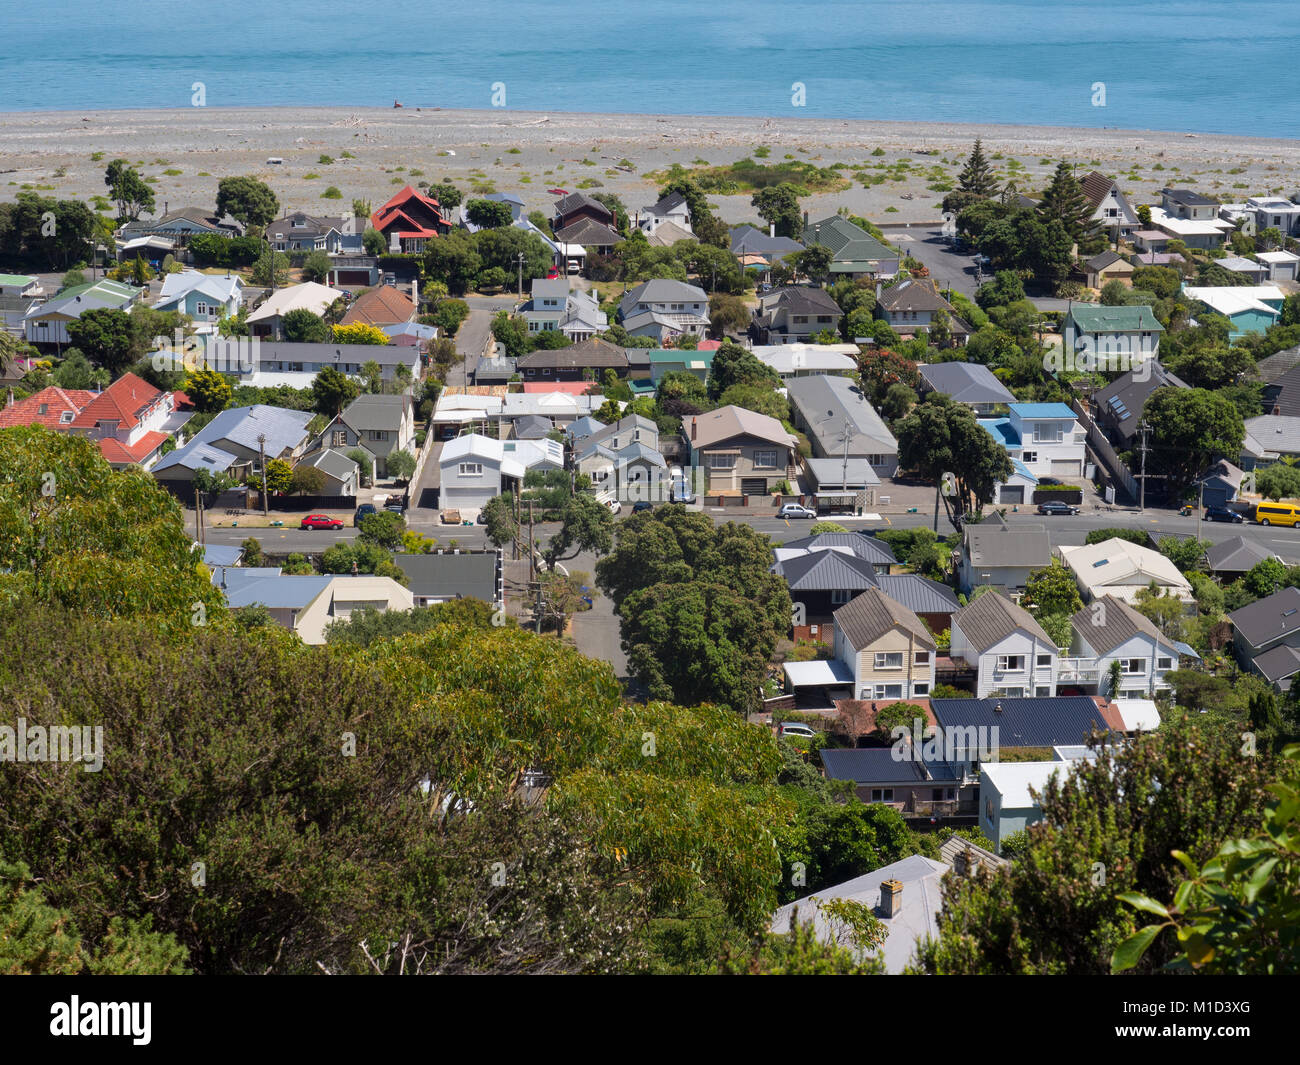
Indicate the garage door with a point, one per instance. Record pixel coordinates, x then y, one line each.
1013 493
754 486
1066 468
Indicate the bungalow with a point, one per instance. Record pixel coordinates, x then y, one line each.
20 285
807 360
307 605
381 306
793 314
1270 438
1110 338
1255 273
971 727
744 453
409 221
1118 407
440 577
46 321
1235 557
181 224
342 475
296 365
1043 439
475 469
1266 637
667 234
206 298
1250 308
672 209
969 383
753 247
268 319
554 307
1106 631
381 424
1010 792
585 361
1122 569
1009 651
1108 266
839 422
649 365
840 485
1110 209
664 309
915 306
235 440
997 555
854 252
300 231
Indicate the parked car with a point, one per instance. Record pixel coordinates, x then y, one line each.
640 506
1217 513
320 521
792 728
396 506
680 489
614 505
795 510
363 511
1055 506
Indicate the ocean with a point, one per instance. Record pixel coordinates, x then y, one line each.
1212 67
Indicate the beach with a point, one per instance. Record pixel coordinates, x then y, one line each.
375 151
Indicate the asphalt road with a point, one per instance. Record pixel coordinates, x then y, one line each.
473 333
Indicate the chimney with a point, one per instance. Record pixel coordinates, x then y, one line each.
415 293
997 709
805 219
891 898
694 422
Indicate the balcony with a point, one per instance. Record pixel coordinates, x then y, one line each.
1077 671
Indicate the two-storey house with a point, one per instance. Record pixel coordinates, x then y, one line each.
1042 439
1266 637
1009 651
381 424
915 306
742 452
1108 630
887 649
793 314
664 309
206 298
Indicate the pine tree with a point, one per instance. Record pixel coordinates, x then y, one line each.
1064 201
977 177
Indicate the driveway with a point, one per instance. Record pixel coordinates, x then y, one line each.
473 335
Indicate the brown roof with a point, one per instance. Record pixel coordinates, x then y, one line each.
382 305
1104 630
1096 187
726 423
593 352
916 294
872 614
990 618
589 234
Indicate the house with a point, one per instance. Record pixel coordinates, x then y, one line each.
1110 208
204 297
1042 439
440 577
634 473
409 221
46 321
914 786
753 247
1255 273
1183 203
807 360
838 484
307 605
1096 330
648 365
235 441
668 234
562 407
182 224
1279 265
914 306
839 422
268 319
1270 438
821 582
905 896
381 424
1273 212
969 383
664 309
1009 651
744 453
886 650
868 548
1250 308
585 361
978 731
1010 793
793 314
672 209
20 285
1274 366
300 231
342 475
997 555
411 334
381 306
1108 266
296 365
1109 630
854 252
475 469
1222 484
1118 407
1203 234
554 307
578 206
1122 569
1266 637
1235 557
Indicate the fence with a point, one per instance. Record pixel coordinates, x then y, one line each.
1101 448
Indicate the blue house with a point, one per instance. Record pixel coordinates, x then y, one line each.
1042 439
204 297
1250 308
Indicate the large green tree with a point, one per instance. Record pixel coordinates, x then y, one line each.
105 336
778 205
1064 202
129 190
976 176
1190 428
247 200
940 437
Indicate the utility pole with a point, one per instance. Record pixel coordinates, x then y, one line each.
520 260
261 450
1144 428
532 556
1200 505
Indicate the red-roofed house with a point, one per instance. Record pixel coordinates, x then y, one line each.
54 408
409 220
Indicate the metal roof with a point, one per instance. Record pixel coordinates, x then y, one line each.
989 619
451 576
872 614
1035 722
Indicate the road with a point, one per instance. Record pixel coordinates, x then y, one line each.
473 333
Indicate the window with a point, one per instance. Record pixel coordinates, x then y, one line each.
889 659
840 596
1043 660
1010 663
922 658
799 319
1042 692
1164 662
882 794
339 438
1047 433
764 460
887 691
720 462
378 434
1012 693
823 318
1029 456
1134 665
471 469
201 309
921 689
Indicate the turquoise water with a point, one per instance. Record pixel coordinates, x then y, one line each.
1225 67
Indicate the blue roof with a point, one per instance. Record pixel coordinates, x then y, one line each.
1042 410
1186 649
196 455
867 765
1002 431
222 554
1023 470
281 590
1045 722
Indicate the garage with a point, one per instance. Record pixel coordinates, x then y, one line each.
1067 468
1012 493
753 486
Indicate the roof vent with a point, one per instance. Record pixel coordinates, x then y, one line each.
997 707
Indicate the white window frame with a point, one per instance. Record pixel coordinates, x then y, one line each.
716 461
921 688
1142 672
882 659
922 658
1164 662
1042 660
760 456
1004 664
882 794
471 469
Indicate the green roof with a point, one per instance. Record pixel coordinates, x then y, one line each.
1095 318
683 355
15 279
848 243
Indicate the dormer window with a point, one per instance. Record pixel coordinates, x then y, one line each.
65 417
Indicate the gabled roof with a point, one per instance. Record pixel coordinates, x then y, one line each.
802 299
1104 630
308 296
819 394
394 211
588 233
1270 618
1125 398
667 234
373 411
123 401
965 382
592 352
585 426
470 575
989 619
330 461
749 240
995 545
913 294
847 242
221 287
283 429
576 200
91 296
726 423
196 456
1278 663
1105 259
661 290
46 407
1037 722
1236 555
918 593
1189 198
1120 562
872 614
1098 318
673 199
1096 187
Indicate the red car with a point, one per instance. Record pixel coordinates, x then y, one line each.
320 521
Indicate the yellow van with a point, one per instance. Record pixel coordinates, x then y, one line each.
1278 514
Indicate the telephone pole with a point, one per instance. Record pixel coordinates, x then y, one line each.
520 260
1144 428
1200 505
261 450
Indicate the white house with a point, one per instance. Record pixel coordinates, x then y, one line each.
1043 439
474 469
1009 650
554 306
662 308
672 208
268 318
204 297
1009 791
1109 630
1111 210
1119 568
307 605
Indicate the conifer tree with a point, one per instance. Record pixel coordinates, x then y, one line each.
1064 201
977 178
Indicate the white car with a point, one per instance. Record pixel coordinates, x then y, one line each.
791 728
614 506
795 510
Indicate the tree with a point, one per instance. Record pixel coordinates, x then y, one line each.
365 463
1006 287
449 314
1190 428
880 368
814 262
1265 577
105 335
132 193
401 464
301 326
899 399
454 260
499 520
279 476
74 371
209 390
317 267
447 195
383 528
977 177
727 314
247 200
778 205
271 269
373 241
1279 481
1063 201
1187 554
586 525
733 364
360 333
512 331
488 214
332 391
758 397
939 437
307 481
493 278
